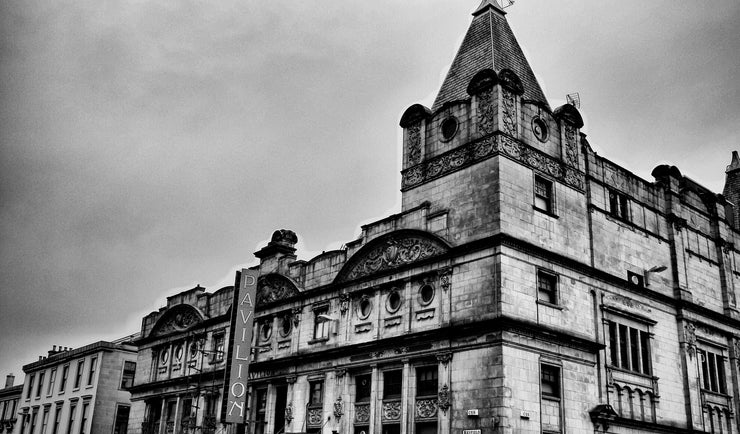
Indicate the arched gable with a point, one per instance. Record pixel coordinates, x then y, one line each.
177 319
392 251
274 287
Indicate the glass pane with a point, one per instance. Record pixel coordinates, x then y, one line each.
645 349
623 347
635 350
613 344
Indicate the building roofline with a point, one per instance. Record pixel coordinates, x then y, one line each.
78 352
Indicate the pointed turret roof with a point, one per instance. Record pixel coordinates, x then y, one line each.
489 44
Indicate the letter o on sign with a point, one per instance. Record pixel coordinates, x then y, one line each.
242 390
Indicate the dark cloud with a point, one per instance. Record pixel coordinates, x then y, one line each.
150 146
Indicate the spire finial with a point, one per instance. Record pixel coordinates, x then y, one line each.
734 164
498 5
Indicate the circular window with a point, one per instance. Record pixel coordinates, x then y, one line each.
266 331
286 325
164 356
393 302
448 128
539 128
426 294
365 307
178 352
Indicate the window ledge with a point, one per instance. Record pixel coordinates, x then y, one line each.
546 212
548 304
317 341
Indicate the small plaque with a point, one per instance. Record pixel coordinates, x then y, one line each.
471 431
473 412
525 414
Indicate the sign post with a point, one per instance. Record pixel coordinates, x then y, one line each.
239 348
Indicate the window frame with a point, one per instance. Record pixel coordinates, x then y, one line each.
92 371
553 292
40 384
363 397
315 386
619 205
52 381
548 199
321 329
29 391
399 385
625 354
556 383
122 386
65 377
426 389
717 372
78 375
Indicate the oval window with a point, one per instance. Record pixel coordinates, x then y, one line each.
178 353
164 356
426 294
394 301
364 308
539 129
266 331
194 349
286 325
448 127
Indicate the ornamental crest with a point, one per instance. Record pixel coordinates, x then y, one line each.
485 112
392 251
274 287
177 319
509 113
338 408
314 417
690 336
414 143
444 398
426 408
289 412
362 412
391 410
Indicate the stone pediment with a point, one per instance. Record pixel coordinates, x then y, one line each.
275 287
177 319
392 251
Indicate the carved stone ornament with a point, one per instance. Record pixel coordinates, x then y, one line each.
362 413
426 408
444 358
414 143
485 111
343 303
289 412
391 252
391 410
509 113
177 319
571 148
274 287
338 408
690 336
341 372
296 313
487 147
444 278
444 398
314 417
626 301
678 222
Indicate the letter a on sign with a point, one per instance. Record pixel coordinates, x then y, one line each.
240 345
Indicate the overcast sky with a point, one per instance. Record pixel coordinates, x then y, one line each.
148 146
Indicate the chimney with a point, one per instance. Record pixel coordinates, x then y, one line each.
9 380
278 252
731 192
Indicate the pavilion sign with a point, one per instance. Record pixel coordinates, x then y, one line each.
240 346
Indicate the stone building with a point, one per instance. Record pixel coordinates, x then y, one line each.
80 391
9 397
528 284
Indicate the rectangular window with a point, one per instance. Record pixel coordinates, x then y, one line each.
40 384
320 325
543 194
218 347
57 419
392 383
629 348
78 376
34 419
713 371
52 380
45 419
91 373
363 387
30 386
83 419
618 205
550 399
261 412
550 381
426 428
547 287
426 381
121 423
316 391
63 382
72 414
127 377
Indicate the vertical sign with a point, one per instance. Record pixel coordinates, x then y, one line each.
240 346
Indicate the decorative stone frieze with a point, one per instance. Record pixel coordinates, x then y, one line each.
443 400
414 143
391 411
426 408
485 112
362 413
509 115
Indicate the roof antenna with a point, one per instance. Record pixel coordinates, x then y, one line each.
574 99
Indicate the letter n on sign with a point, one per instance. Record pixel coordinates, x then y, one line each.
240 346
